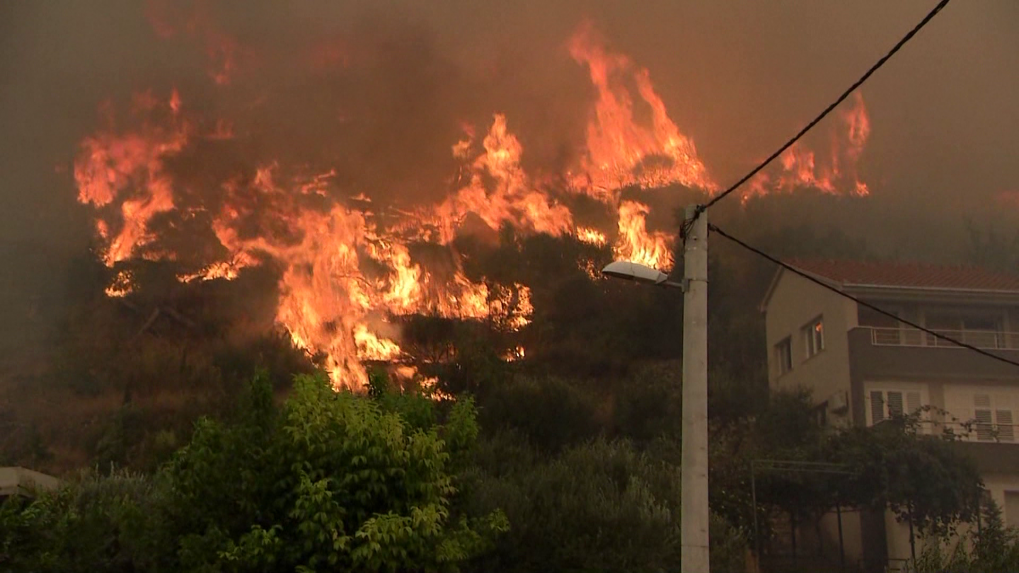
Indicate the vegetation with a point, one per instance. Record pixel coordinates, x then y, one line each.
565 461
328 481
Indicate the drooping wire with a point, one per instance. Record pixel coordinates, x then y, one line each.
934 12
714 229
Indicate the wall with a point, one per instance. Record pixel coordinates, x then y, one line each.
794 302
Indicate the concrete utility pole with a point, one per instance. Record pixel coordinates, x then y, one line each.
695 512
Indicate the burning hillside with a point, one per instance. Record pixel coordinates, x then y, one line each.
190 178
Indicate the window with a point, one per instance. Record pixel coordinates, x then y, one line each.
985 413
993 421
813 337
1012 508
885 329
870 317
784 356
889 404
821 415
979 329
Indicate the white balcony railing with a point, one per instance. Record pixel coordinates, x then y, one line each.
989 339
969 431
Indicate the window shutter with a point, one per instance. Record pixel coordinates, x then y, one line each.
877 407
984 428
895 404
1006 433
913 402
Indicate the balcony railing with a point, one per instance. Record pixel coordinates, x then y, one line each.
969 431
989 339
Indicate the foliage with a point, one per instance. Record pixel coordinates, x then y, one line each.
330 480
992 548
550 413
922 478
92 523
599 506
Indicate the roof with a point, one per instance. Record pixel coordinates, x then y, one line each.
908 275
902 276
22 481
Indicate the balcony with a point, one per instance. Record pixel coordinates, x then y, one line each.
910 354
987 339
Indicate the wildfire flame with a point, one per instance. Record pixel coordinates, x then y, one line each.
349 266
801 167
620 151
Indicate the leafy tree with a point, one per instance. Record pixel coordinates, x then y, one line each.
331 480
922 478
599 506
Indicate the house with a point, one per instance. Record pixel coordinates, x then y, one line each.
863 367
25 482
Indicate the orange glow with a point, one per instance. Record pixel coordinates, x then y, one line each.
122 285
509 197
130 166
620 150
635 243
591 236
514 354
801 167
163 181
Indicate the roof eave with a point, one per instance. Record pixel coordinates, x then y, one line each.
921 291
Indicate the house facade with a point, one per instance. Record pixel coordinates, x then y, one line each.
863 367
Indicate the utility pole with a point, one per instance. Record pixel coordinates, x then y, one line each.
695 511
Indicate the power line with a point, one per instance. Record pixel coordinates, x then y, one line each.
827 110
792 269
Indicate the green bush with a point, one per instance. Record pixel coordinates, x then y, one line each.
92 523
600 506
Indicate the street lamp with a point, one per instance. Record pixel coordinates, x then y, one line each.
694 470
638 273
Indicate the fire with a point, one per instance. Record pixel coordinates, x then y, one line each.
511 197
514 354
130 166
802 168
635 243
121 286
620 151
350 263
591 236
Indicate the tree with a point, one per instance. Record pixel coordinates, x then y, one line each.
330 480
923 478
598 506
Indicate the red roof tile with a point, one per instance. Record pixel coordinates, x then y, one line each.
908 275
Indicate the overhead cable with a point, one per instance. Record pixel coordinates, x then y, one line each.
934 12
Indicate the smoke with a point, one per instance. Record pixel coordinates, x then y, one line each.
379 91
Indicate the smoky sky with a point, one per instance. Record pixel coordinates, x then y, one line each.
399 78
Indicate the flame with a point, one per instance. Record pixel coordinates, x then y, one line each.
801 167
514 354
349 264
121 286
591 236
620 151
130 166
635 243
510 198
